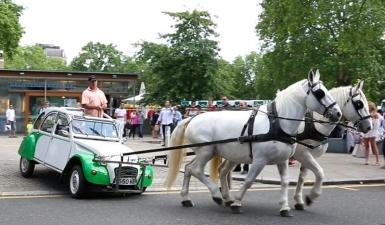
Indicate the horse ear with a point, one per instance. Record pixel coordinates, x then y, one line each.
313 77
359 86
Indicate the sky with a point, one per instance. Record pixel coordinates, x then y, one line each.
71 24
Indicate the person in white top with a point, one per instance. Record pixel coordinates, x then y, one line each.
370 137
11 120
166 119
121 116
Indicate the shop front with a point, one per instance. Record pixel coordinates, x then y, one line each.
28 90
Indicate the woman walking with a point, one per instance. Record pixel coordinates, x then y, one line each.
370 137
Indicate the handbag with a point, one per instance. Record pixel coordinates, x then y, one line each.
156 127
7 127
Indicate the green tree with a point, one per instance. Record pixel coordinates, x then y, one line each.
245 71
98 57
344 39
185 67
33 57
10 28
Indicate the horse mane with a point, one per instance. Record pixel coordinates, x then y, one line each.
289 93
341 96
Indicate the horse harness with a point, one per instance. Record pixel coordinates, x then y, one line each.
310 133
275 132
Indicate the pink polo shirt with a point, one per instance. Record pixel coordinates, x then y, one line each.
94 98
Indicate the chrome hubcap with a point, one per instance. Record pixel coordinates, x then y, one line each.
24 164
74 182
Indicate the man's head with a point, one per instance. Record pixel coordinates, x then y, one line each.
167 103
121 105
46 104
193 103
225 99
11 106
92 82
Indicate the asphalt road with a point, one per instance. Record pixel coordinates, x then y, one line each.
353 205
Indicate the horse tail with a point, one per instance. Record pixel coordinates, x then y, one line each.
175 157
214 165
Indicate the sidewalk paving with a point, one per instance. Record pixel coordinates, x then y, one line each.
338 168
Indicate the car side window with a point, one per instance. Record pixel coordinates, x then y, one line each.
62 124
38 121
48 123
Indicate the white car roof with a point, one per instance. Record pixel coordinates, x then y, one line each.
75 113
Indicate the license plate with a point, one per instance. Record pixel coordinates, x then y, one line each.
127 181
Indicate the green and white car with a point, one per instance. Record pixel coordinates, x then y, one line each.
85 150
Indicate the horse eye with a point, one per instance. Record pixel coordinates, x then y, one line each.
358 105
319 94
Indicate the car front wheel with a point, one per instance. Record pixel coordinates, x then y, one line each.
26 167
77 182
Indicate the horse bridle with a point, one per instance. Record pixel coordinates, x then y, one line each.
319 94
357 105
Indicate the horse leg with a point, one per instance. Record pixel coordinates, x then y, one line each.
299 189
284 202
316 191
224 170
202 157
255 168
186 202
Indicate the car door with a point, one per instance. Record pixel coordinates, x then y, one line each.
60 145
45 130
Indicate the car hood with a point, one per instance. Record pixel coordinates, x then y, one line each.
103 148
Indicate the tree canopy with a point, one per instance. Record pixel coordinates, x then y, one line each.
10 28
33 57
344 39
98 57
184 67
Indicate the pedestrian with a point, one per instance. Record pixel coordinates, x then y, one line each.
121 116
166 119
177 117
211 106
193 110
370 137
141 118
11 120
45 106
154 126
93 99
226 104
134 124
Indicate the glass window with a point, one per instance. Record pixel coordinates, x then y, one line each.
94 128
38 121
62 124
48 123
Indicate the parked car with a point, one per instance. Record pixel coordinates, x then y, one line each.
85 151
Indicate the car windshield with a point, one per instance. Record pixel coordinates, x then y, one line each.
94 128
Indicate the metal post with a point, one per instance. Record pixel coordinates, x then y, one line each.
167 136
45 91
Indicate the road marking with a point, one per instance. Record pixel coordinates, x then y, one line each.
352 187
32 196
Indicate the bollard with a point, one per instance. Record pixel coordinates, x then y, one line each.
167 136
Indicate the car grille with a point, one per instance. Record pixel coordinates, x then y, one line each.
126 171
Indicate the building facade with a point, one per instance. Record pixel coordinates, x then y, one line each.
27 90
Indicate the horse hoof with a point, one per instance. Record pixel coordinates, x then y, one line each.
236 209
286 213
308 201
228 204
187 203
299 206
217 200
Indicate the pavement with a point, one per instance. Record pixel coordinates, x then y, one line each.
339 169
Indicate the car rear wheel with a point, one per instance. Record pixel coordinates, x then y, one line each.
26 167
77 183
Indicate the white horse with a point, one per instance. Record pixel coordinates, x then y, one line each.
290 103
354 106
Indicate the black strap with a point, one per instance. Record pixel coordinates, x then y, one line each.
250 125
310 132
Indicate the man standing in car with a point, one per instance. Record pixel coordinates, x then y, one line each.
93 99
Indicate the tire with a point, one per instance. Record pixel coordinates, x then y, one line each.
77 184
26 167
